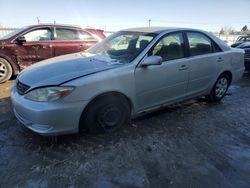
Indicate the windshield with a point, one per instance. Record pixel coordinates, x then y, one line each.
13 33
242 39
123 46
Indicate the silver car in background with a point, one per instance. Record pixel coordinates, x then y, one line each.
131 72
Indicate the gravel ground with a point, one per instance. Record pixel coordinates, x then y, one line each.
193 144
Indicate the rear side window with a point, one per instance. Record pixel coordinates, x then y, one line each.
199 44
86 36
169 47
67 34
38 35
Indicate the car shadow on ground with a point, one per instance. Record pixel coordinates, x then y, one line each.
158 121
137 127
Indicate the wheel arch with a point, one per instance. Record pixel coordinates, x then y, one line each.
14 66
229 74
107 94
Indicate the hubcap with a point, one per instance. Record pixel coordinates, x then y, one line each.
3 70
109 117
221 87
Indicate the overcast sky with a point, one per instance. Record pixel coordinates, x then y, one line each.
209 15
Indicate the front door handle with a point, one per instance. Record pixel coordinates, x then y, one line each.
183 67
220 59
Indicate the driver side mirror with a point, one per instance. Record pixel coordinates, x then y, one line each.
152 60
20 40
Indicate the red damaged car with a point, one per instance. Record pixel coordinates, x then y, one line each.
31 44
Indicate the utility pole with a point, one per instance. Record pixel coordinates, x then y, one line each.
149 22
38 20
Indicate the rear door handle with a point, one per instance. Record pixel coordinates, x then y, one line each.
47 46
183 67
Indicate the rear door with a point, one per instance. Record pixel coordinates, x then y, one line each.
37 47
66 41
205 57
71 40
88 40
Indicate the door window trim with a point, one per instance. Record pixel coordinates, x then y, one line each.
33 29
49 29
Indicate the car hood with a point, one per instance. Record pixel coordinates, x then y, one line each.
244 45
58 70
236 44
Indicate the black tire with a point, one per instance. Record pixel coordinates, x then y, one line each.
106 114
219 89
5 70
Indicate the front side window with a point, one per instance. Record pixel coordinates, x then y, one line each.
170 47
67 34
123 46
199 44
38 35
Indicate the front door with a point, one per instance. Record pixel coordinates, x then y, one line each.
158 84
37 47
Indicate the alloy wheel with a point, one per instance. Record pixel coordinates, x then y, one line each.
221 87
3 70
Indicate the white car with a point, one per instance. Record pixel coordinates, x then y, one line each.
131 72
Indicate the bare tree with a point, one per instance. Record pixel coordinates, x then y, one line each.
222 32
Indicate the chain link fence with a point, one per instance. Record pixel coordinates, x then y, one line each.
6 30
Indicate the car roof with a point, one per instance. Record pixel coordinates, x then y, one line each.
57 25
157 29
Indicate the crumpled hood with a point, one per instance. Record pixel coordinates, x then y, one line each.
2 42
61 69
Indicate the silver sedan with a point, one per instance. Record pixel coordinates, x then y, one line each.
129 73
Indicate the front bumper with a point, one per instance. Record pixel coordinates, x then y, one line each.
48 119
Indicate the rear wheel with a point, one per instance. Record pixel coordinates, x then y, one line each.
220 88
5 70
106 114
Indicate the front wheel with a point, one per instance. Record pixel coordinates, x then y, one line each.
220 88
5 70
106 114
